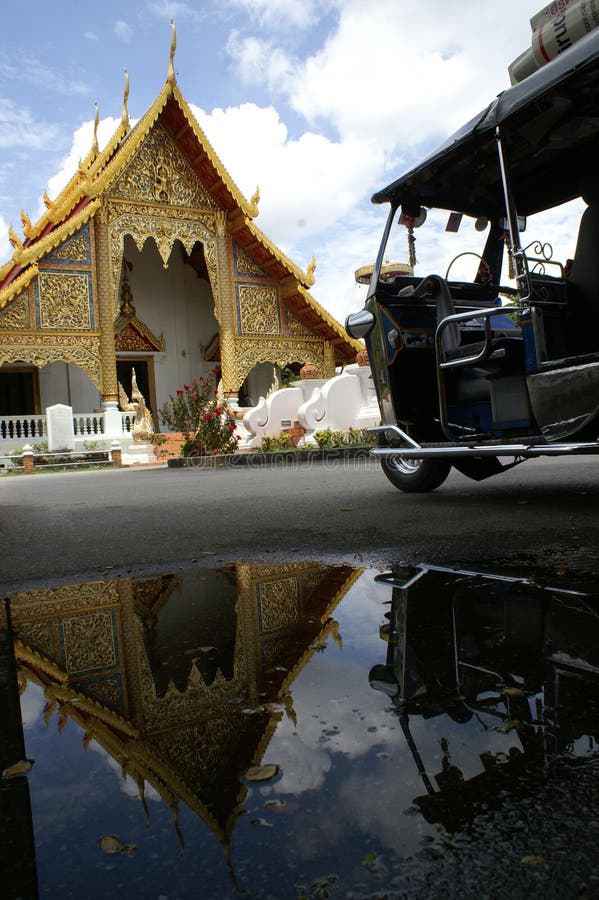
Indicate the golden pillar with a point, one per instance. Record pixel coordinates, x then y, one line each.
225 312
329 360
110 394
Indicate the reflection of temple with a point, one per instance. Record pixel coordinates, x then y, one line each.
516 662
150 257
167 673
18 875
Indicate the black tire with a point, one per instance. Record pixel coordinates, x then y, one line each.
415 476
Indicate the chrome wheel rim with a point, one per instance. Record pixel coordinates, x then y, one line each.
405 466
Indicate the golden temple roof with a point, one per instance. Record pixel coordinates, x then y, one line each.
81 198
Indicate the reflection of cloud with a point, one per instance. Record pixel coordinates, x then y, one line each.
127 785
32 704
303 767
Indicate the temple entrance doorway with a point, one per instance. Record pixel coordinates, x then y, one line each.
144 374
19 391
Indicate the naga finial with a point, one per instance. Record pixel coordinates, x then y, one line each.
171 78
311 269
14 238
47 202
125 113
254 201
95 147
26 223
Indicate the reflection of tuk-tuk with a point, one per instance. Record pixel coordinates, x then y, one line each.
464 378
513 667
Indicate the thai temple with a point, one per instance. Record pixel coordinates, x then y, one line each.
150 258
181 678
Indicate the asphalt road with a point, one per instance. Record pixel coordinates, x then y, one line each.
56 526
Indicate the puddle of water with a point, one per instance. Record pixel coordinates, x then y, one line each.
395 709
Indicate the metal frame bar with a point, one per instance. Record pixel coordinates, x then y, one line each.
410 449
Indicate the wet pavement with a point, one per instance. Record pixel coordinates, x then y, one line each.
302 728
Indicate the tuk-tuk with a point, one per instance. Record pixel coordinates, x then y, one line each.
472 371
509 669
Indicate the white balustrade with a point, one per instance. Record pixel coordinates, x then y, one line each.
88 425
33 428
23 428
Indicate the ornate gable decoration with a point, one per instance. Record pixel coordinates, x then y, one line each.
159 173
74 250
297 328
16 314
245 265
130 333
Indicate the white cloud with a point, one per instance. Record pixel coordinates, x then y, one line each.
306 184
5 247
32 71
18 128
90 36
172 9
279 14
403 72
80 147
123 31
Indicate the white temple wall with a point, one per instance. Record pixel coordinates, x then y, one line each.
176 303
66 383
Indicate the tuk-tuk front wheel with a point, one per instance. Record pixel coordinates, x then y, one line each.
415 476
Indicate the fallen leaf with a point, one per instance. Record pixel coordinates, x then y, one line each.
18 768
533 860
509 726
261 822
261 773
111 844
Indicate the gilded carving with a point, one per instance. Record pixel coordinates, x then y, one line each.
89 641
295 328
245 265
258 309
107 692
251 351
73 250
279 603
16 314
39 635
164 226
48 602
64 301
41 349
160 172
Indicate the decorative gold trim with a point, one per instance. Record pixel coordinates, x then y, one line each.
33 252
328 318
16 286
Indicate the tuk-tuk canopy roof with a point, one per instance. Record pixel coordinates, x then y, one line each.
550 128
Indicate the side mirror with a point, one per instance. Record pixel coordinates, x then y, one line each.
359 324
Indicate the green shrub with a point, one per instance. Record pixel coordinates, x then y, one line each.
202 417
271 443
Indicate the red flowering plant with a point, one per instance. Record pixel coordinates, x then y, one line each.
203 418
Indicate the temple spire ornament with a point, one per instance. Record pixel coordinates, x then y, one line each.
171 78
95 147
254 201
125 112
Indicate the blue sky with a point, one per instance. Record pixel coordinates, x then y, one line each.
318 103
